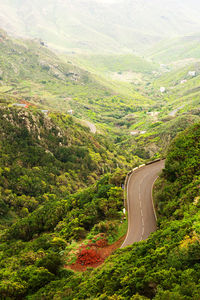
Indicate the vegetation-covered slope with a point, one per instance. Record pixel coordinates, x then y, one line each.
55 189
47 156
30 71
166 266
116 63
176 49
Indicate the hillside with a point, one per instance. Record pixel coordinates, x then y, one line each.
60 186
166 266
115 63
181 84
90 90
100 26
47 157
119 94
176 49
30 71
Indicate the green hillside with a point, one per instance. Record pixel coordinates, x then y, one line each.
117 93
166 266
182 88
59 184
176 49
47 156
73 122
31 72
115 63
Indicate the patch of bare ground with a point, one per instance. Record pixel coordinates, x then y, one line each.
104 252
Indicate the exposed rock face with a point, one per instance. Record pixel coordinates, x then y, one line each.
38 125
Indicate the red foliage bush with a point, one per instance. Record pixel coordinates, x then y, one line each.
101 243
88 257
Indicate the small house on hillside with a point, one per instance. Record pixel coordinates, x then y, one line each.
183 81
162 89
134 132
192 73
70 111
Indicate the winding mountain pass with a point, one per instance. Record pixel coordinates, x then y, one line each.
141 214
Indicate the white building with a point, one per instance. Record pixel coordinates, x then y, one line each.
183 81
134 132
162 89
192 73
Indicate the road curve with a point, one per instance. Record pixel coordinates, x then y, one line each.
92 127
141 215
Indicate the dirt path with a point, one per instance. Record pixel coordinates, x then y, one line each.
92 127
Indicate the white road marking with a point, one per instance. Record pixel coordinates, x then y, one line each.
154 210
142 237
142 216
128 207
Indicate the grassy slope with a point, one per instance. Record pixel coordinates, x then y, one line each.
32 72
116 63
181 48
179 94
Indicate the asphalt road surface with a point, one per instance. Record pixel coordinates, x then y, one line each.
141 215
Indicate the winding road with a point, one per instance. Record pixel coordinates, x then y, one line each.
141 214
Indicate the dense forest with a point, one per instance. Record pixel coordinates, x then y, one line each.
35 249
166 266
59 184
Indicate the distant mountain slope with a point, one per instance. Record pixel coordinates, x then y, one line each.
116 63
95 25
30 71
176 49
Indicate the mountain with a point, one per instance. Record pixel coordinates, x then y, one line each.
30 71
100 26
116 92
176 49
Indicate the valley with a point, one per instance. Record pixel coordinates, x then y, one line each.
82 105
